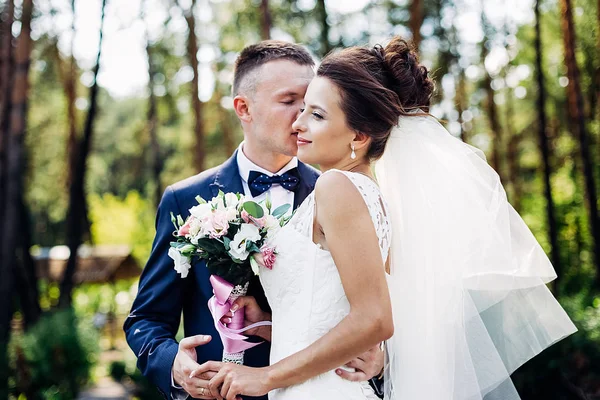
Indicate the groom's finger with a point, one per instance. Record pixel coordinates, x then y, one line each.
357 376
206 367
357 363
194 341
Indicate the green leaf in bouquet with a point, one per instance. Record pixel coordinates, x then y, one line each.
210 245
226 242
200 200
252 247
254 209
281 210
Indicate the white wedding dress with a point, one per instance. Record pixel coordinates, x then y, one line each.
467 277
307 297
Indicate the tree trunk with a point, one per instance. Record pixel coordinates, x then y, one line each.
26 274
491 109
197 106
265 20
417 15
6 21
13 189
510 134
77 200
514 139
6 67
596 108
576 113
151 126
321 11
545 149
461 103
70 88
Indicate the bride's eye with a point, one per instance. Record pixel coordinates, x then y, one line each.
317 115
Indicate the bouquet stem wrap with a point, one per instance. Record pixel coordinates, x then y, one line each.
234 343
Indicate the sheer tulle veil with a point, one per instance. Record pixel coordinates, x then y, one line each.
467 277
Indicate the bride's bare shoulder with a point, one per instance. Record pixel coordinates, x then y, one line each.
335 191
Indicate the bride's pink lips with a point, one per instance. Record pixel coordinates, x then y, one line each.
302 141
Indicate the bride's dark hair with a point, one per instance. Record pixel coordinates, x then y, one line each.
377 85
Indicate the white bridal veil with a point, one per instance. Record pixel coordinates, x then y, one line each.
468 278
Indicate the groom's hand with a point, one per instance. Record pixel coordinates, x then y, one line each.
186 362
367 366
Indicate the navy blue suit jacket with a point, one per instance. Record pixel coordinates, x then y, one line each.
163 295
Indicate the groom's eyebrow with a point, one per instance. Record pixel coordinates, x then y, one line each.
288 93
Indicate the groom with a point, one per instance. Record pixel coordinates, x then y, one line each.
270 81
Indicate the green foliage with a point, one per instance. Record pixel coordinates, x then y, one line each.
123 221
53 359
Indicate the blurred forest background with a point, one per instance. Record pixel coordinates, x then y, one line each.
105 102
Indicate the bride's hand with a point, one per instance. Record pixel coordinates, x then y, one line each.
252 314
233 380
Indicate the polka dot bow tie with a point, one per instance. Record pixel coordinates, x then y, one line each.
260 183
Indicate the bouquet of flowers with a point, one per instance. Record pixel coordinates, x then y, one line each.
230 233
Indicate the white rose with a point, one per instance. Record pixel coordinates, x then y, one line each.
195 227
218 203
231 200
201 210
272 225
231 214
182 263
237 247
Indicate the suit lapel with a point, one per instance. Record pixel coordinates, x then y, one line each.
306 186
228 178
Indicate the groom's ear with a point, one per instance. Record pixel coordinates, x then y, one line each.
242 108
361 141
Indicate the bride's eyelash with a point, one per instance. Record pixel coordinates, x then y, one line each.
317 115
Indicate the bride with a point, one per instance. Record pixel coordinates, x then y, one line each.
456 292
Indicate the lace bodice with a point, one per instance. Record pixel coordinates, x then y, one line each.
306 294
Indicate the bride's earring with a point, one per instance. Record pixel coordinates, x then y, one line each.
353 154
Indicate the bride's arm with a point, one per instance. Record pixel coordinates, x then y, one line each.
353 243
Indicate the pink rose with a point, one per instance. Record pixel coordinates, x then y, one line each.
266 257
216 224
245 216
185 229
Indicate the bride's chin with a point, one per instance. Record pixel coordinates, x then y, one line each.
306 157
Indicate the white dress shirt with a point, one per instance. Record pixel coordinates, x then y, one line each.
279 196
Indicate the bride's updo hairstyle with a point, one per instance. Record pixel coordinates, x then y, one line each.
377 85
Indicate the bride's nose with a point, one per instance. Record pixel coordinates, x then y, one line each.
298 124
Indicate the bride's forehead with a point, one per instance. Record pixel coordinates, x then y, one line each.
323 89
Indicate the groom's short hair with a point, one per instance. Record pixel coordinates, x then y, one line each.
256 55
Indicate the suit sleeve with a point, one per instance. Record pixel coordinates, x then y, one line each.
155 316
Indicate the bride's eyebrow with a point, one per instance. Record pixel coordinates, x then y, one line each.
316 107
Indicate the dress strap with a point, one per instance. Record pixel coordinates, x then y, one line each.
376 205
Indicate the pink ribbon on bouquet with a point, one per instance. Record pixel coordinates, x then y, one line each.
219 305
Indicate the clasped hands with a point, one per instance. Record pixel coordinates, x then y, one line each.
218 380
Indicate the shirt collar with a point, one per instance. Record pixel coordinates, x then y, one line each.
245 165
